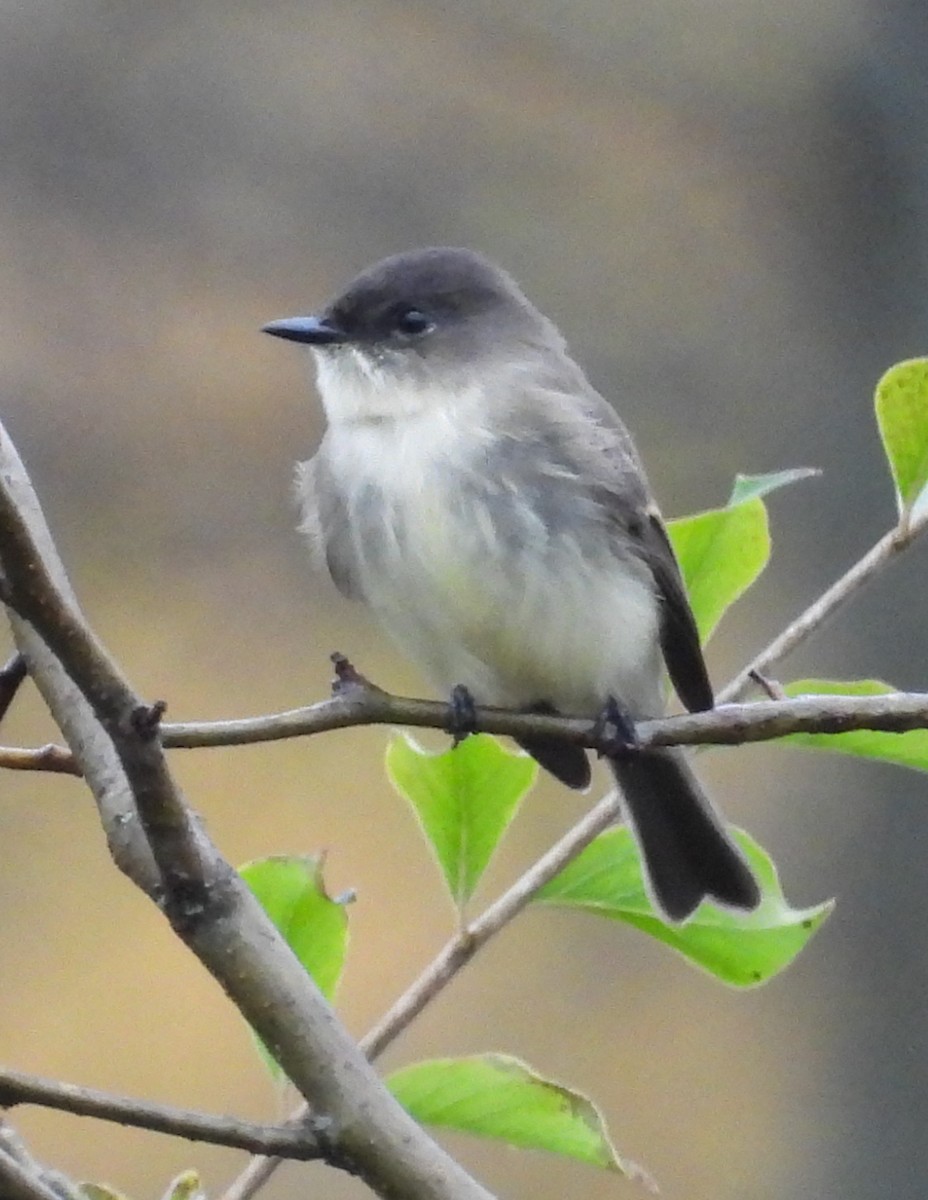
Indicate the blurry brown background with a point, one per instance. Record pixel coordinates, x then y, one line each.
723 204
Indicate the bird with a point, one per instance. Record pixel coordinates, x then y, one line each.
489 506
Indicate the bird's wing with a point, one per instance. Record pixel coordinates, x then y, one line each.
326 525
679 636
601 452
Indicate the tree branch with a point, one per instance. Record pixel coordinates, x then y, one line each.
70 710
22 1178
462 948
51 758
287 1143
827 605
727 725
17 1182
211 909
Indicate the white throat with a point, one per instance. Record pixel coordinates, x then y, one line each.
356 389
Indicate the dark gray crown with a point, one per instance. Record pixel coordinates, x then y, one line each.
446 284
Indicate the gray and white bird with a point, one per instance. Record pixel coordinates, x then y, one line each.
489 506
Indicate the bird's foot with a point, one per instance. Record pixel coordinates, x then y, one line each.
462 714
614 731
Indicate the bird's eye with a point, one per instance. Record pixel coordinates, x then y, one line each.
412 321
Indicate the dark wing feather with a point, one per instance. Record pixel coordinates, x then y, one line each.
570 764
679 635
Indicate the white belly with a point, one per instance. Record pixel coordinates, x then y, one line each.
522 635
477 591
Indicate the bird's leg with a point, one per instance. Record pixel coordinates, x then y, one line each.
462 714
614 731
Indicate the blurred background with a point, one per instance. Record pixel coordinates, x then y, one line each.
723 204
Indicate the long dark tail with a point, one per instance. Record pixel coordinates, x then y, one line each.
688 856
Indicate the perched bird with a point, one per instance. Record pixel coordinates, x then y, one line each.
477 493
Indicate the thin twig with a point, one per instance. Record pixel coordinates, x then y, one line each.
728 725
462 948
288 1143
55 759
825 607
17 1182
176 844
23 1178
70 710
771 688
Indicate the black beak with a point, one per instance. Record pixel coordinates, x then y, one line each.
311 331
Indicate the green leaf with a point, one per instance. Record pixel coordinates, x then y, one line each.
901 402
496 1096
909 749
721 553
724 550
187 1186
99 1191
741 949
746 487
291 891
464 800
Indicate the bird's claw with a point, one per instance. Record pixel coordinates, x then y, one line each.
614 731
462 714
